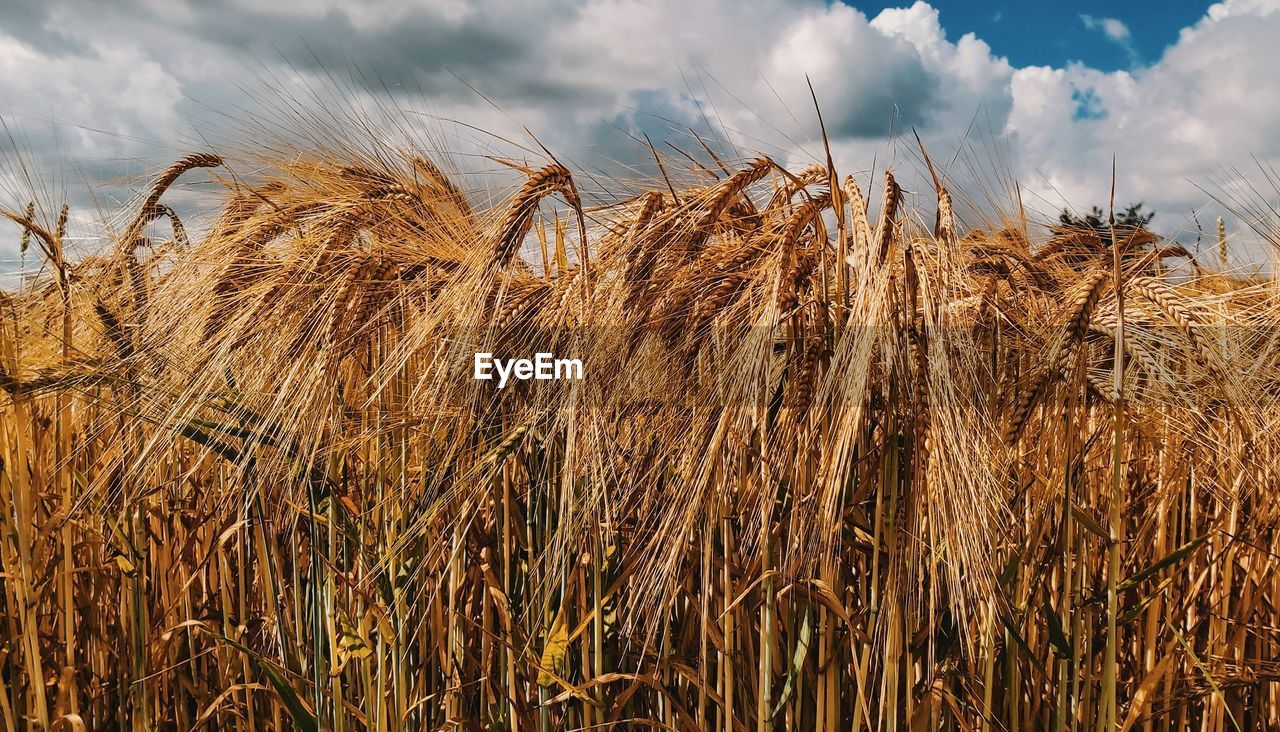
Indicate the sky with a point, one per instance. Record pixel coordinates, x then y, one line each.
1040 33
96 96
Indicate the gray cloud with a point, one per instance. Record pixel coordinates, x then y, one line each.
423 49
99 93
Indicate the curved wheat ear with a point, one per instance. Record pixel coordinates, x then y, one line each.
554 178
643 247
1061 244
861 227
50 244
717 297
1171 304
1061 355
560 294
437 182
801 275
918 340
340 231
805 365
114 330
1163 297
160 185
509 443
725 260
805 178
720 276
223 294
795 264
364 175
742 215
729 190
804 215
521 306
393 192
1102 387
127 245
1106 323
362 297
650 204
239 208
179 231
1082 305
888 213
371 184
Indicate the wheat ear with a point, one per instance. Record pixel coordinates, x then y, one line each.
554 178
1062 354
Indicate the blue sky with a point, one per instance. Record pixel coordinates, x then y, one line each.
1039 33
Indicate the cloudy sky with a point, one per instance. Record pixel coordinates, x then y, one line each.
93 96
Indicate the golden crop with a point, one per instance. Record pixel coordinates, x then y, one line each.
829 467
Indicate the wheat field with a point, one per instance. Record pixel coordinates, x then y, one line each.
838 461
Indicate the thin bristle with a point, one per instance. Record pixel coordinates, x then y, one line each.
354 451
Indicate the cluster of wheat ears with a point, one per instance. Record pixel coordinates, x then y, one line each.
831 466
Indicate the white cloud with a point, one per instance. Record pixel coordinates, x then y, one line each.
1260 8
149 84
1113 28
1115 31
1210 103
